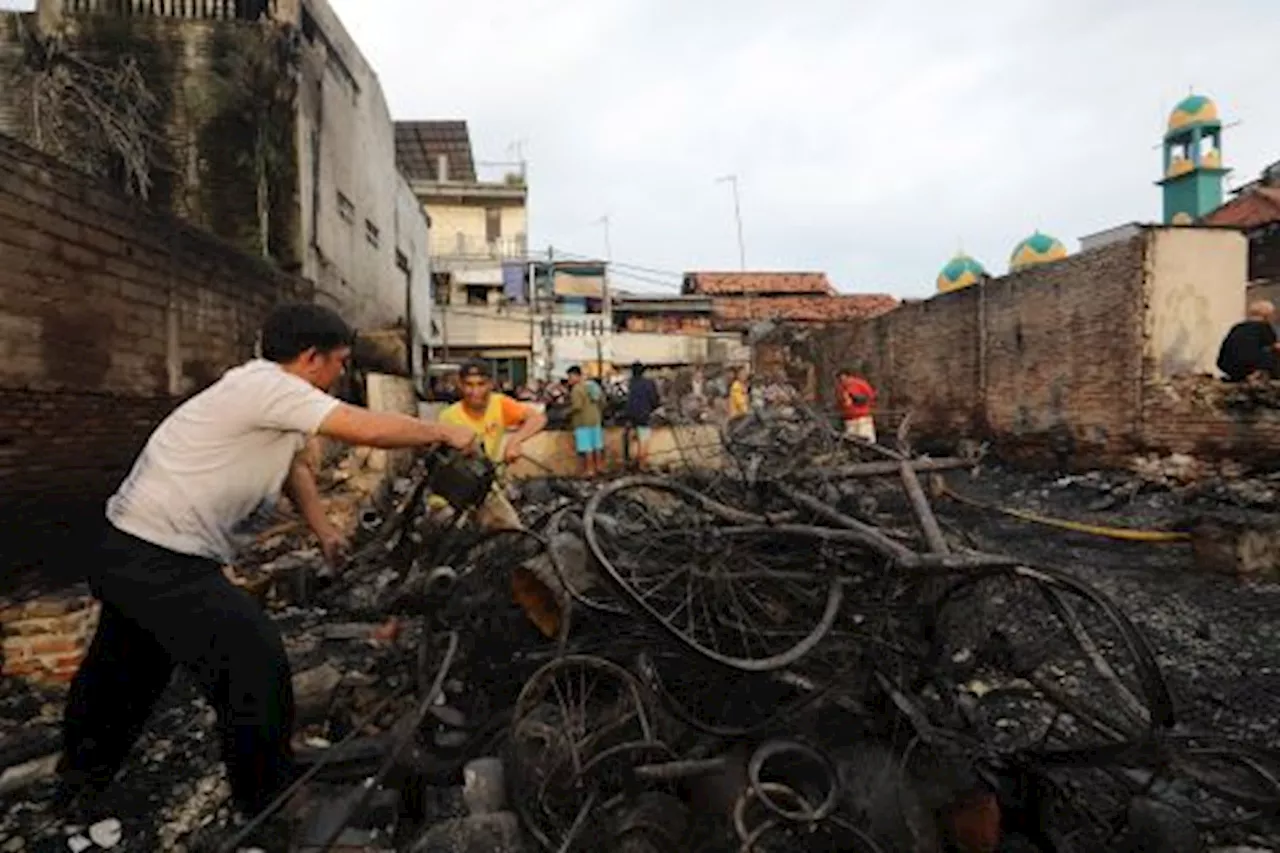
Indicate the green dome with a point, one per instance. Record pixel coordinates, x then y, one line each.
1193 110
960 272
1036 249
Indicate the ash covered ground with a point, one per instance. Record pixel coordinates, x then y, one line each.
1211 635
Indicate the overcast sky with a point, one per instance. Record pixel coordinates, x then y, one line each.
871 139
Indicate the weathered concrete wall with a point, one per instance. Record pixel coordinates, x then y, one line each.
350 184
273 134
109 314
223 154
670 448
415 240
1195 285
1079 362
390 394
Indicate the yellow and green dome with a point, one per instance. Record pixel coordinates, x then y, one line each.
960 272
1191 111
1036 249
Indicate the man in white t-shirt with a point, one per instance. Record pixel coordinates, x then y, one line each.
217 460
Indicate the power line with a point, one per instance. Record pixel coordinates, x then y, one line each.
626 265
641 279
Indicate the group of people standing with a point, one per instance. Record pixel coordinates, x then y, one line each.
586 418
855 400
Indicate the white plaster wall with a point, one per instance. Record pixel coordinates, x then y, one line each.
449 220
476 326
414 239
347 147
1196 280
658 348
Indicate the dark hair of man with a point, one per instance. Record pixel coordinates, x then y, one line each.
575 371
637 369
475 367
291 330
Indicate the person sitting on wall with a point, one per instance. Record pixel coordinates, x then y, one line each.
1251 348
218 460
856 398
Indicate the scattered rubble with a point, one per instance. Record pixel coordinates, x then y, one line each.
794 653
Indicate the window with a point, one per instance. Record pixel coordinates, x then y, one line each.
477 294
509 371
441 286
346 209
492 225
371 234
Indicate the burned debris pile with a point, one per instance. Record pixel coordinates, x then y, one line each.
791 652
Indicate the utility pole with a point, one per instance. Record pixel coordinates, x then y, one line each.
549 330
608 247
732 181
606 303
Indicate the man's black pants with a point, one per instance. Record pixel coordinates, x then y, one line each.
161 609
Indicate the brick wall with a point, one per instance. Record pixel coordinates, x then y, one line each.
1064 349
109 313
1049 359
44 641
1207 418
1264 253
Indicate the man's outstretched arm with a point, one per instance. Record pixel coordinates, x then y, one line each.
391 431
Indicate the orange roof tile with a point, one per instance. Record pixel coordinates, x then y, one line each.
1252 209
729 283
741 311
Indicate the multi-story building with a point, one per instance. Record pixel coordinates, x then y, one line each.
259 121
661 330
478 248
575 324
741 300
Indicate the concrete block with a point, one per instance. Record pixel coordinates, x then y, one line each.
1239 546
386 393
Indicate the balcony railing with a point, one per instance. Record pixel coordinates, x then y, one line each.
467 247
215 10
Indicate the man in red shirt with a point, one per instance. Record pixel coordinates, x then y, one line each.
856 398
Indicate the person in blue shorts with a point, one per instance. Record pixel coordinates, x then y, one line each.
586 416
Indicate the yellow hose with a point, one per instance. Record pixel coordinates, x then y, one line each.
1125 533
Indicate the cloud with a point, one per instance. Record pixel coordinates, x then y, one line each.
870 139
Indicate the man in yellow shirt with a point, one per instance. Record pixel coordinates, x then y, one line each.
493 416
739 401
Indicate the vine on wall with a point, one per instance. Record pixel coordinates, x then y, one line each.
99 118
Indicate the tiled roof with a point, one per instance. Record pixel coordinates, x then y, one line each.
740 312
419 145
727 283
1257 207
